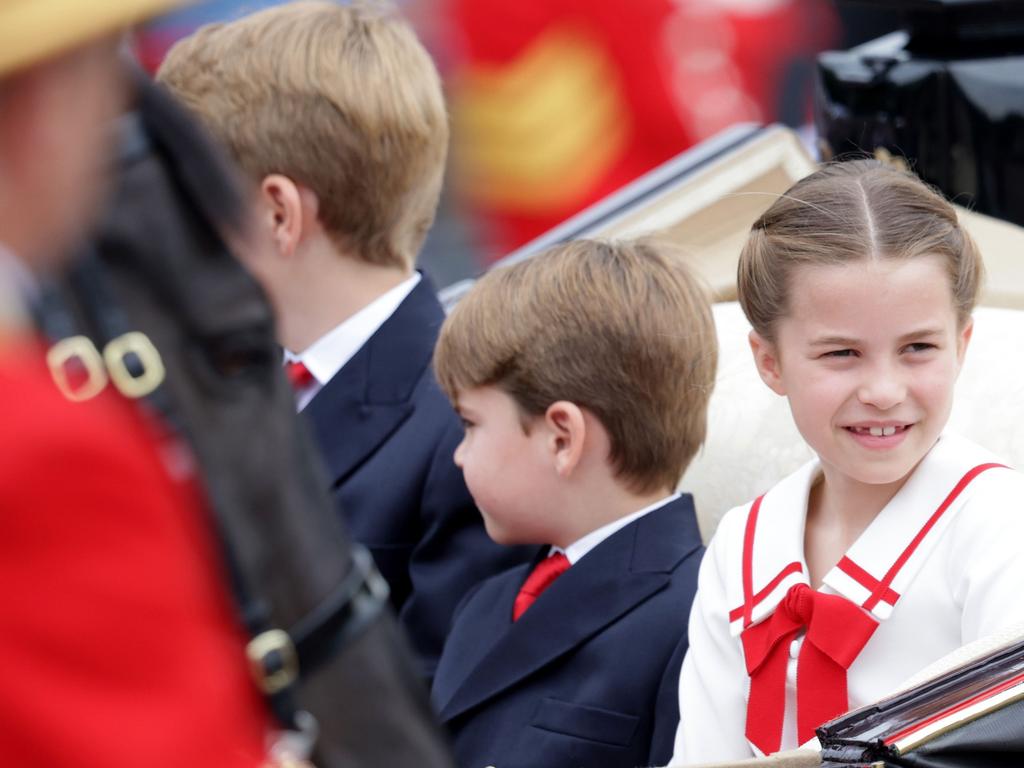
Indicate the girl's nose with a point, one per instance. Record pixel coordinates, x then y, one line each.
883 387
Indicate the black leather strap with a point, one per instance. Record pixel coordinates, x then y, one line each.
355 603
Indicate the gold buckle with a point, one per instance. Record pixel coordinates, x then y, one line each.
153 371
273 677
82 349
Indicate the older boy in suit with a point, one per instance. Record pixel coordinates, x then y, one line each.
582 377
336 113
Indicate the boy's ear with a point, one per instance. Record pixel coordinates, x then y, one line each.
566 432
289 211
767 361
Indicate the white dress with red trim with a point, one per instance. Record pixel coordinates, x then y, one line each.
770 659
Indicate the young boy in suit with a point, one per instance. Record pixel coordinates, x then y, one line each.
582 377
335 113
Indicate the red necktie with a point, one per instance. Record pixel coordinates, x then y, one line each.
298 374
837 631
540 578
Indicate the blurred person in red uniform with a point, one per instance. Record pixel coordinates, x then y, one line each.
558 103
118 637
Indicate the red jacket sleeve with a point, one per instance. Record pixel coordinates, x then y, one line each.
119 643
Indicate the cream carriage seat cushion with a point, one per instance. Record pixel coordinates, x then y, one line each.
752 441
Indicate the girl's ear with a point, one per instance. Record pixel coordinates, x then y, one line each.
962 340
767 361
566 431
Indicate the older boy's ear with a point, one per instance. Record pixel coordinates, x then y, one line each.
566 432
767 361
288 211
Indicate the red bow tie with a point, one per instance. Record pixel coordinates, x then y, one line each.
837 631
540 578
298 374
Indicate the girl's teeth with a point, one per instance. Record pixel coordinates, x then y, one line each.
882 431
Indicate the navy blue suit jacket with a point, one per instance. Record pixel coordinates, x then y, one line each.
387 433
588 676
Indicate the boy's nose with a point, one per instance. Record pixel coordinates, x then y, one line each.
457 456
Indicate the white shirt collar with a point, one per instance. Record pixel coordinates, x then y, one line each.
326 356
580 547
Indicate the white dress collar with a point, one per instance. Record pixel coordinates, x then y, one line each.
882 562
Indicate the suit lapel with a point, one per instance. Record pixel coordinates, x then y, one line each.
482 624
607 583
369 398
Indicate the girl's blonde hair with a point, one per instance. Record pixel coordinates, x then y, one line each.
845 212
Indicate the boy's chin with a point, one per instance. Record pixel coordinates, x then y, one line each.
500 536
505 536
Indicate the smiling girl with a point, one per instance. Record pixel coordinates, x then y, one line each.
900 542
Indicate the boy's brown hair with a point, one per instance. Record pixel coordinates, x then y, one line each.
342 99
621 329
847 212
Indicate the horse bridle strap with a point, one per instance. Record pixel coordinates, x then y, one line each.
278 658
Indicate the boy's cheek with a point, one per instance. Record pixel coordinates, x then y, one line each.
496 531
253 246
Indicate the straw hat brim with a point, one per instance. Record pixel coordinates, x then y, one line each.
33 30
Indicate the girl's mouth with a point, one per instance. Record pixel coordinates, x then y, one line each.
879 431
879 437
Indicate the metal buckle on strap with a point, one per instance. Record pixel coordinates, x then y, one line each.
78 349
131 361
273 660
149 368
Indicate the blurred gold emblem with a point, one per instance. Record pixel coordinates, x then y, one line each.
538 131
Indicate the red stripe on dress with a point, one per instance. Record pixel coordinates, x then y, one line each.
793 567
883 585
748 560
866 580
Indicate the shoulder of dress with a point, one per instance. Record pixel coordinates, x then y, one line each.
788 495
730 528
996 492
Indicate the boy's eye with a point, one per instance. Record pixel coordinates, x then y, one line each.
466 423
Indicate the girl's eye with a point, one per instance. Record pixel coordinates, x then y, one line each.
919 346
840 353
